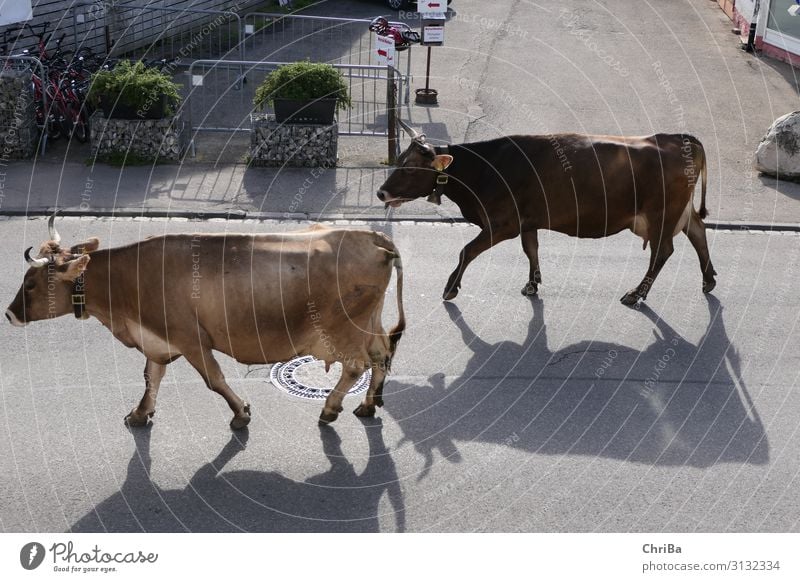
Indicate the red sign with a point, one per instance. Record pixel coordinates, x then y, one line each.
431 7
384 48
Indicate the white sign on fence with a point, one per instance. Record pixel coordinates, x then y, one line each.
16 11
384 45
429 7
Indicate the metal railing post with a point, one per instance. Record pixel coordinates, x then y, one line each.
187 107
391 106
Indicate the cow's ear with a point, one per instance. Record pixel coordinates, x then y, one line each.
441 162
87 246
74 268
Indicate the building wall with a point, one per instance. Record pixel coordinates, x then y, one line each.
98 13
743 12
743 15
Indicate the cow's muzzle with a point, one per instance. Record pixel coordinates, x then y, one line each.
390 200
13 319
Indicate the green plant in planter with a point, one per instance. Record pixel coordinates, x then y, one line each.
303 81
135 87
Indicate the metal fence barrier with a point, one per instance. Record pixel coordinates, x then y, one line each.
295 37
19 111
156 31
215 100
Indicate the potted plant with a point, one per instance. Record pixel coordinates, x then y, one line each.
134 91
304 92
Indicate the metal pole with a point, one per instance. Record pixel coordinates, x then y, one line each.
428 72
391 102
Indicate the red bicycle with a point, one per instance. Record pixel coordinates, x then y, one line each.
65 85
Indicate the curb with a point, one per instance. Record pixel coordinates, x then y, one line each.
225 215
326 217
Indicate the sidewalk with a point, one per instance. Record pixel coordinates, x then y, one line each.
203 189
690 77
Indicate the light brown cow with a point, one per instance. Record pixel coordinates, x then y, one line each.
259 298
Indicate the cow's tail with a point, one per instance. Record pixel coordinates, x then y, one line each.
397 331
702 167
393 255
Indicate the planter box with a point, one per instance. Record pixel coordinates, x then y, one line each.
318 111
146 139
113 109
292 144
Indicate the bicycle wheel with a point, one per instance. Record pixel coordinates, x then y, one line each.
80 126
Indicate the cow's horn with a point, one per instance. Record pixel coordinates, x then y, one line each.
51 226
35 262
412 133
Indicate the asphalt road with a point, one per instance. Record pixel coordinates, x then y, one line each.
568 412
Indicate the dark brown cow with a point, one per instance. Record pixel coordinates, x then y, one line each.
259 298
580 185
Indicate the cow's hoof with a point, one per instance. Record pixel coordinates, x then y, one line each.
328 417
378 401
242 419
630 298
708 286
134 419
364 411
450 294
530 289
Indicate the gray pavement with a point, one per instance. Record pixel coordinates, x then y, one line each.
508 67
566 413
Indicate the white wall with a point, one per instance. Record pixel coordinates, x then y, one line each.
746 8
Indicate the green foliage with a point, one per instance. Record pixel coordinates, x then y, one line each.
303 80
134 85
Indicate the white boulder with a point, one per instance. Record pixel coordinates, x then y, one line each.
778 154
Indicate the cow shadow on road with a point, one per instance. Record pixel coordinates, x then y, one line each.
674 403
338 500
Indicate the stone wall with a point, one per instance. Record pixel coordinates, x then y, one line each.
18 132
149 139
291 144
